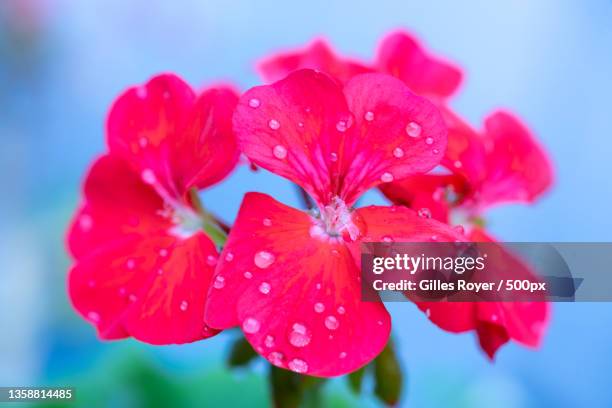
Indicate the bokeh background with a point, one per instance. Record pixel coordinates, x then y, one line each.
63 61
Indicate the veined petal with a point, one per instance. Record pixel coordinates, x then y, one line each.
168 134
337 144
295 293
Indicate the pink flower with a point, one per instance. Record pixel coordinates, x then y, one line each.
399 54
291 279
142 261
503 163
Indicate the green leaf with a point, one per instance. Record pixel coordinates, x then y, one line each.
292 390
355 379
241 353
388 376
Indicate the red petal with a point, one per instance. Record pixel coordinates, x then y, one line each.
163 129
436 193
318 55
301 128
401 55
122 239
297 297
518 169
494 322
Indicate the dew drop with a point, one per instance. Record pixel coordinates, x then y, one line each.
341 126
143 142
263 259
264 288
429 140
267 222
276 358
333 157
163 252
229 257
494 317
273 124
248 275
211 260
85 222
301 124
369 116
331 322
269 341
387 238
438 194
300 336
254 103
413 129
457 164
342 354
279 152
132 298
341 310
148 176
93 317
460 229
386 177
130 264
435 151
319 307
298 366
184 305
219 282
398 152
250 325
424 213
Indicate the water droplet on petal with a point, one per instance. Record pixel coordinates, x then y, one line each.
333 157
424 213
298 366
263 259
143 142
301 124
494 317
319 307
413 129
148 176
398 152
132 298
331 322
428 312
435 151
459 229
387 238
276 358
163 252
369 116
386 177
341 310
219 282
279 152
269 341
438 194
85 222
130 264
254 103
250 325
341 126
229 257
434 237
184 305
93 317
267 222
264 288
273 123
248 275
429 140
342 354
211 260
300 336
457 164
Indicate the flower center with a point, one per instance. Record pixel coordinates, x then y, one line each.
335 221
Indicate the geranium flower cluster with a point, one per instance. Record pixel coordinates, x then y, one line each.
151 263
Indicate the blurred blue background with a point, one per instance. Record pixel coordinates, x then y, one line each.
62 63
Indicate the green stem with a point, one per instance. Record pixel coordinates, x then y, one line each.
210 225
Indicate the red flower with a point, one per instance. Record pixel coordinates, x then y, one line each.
399 54
289 278
504 163
142 262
